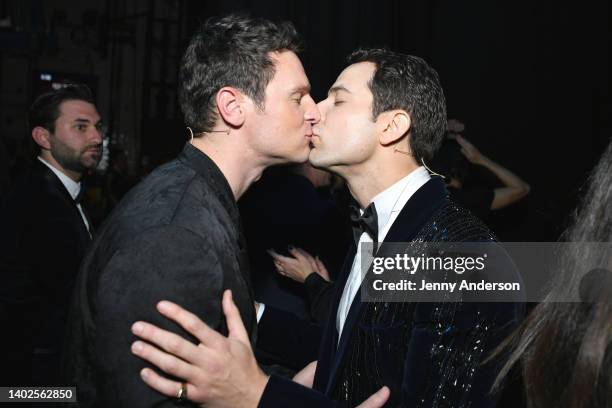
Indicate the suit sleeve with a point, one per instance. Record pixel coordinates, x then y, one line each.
445 356
290 340
320 294
57 269
282 392
165 264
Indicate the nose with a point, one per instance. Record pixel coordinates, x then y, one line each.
323 106
312 113
97 135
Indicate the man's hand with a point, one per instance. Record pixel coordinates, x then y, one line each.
219 372
455 126
377 399
470 151
299 266
306 375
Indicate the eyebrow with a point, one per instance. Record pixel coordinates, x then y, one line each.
304 89
81 120
337 88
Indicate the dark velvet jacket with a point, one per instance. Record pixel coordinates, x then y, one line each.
175 236
429 354
42 242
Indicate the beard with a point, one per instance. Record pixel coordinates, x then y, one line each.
78 161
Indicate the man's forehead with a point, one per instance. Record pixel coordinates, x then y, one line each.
78 109
287 60
289 72
354 77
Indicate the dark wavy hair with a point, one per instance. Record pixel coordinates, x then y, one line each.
45 109
565 349
409 83
229 51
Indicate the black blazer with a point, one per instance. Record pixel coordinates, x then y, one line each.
429 354
42 242
175 236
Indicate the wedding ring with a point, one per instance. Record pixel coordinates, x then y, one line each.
182 392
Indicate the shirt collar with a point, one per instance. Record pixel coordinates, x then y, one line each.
72 186
393 198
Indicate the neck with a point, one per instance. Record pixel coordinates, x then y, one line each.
364 187
48 157
240 170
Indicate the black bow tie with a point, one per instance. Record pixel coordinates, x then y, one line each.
368 223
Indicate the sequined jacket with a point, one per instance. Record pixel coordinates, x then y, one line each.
429 354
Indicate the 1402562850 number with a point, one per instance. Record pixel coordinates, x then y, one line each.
40 394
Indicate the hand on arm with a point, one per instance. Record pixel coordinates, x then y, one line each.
220 371
152 257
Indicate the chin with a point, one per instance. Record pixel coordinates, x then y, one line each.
315 153
316 162
302 156
90 165
320 162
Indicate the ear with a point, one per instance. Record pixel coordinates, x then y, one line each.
394 125
41 137
230 107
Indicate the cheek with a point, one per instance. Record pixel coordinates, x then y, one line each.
62 143
351 131
291 113
283 119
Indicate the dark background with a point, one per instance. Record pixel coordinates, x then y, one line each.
529 79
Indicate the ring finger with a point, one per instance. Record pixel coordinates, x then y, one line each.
167 362
165 386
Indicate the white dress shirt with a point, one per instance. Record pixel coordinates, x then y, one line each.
73 187
389 204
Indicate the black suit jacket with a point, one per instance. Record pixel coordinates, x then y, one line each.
175 236
429 354
42 242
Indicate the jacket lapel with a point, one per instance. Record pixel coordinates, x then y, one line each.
329 341
419 208
57 188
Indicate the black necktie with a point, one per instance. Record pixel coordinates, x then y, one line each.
367 222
